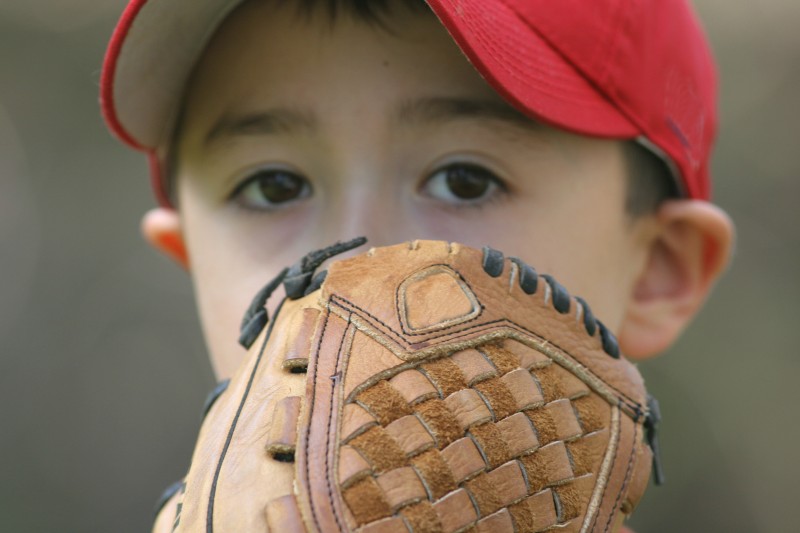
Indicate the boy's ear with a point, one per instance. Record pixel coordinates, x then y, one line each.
690 249
161 227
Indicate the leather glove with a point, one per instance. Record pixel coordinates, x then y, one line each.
423 387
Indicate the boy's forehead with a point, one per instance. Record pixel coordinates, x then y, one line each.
261 42
269 72
260 52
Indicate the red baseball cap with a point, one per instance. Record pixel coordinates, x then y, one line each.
625 69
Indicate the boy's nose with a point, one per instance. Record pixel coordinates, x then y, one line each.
369 212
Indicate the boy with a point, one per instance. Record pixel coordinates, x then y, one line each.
574 134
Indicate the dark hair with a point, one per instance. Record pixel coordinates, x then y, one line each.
650 181
371 11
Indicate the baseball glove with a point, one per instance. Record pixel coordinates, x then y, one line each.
424 387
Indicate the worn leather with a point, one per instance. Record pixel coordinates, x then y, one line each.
438 397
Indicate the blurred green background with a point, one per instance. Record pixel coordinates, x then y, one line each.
103 370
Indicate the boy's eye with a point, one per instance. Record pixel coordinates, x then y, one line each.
462 184
270 188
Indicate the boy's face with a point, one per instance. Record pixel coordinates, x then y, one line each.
300 132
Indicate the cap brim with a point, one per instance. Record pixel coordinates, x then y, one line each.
527 71
151 54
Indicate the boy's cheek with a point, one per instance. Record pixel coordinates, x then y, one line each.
223 292
594 257
228 267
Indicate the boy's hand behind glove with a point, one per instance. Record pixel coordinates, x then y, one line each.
422 387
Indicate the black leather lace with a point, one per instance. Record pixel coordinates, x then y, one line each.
298 280
493 263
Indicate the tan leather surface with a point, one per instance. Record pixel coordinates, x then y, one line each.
167 515
283 427
437 398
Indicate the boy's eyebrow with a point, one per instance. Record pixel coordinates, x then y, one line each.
267 122
443 109
425 110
